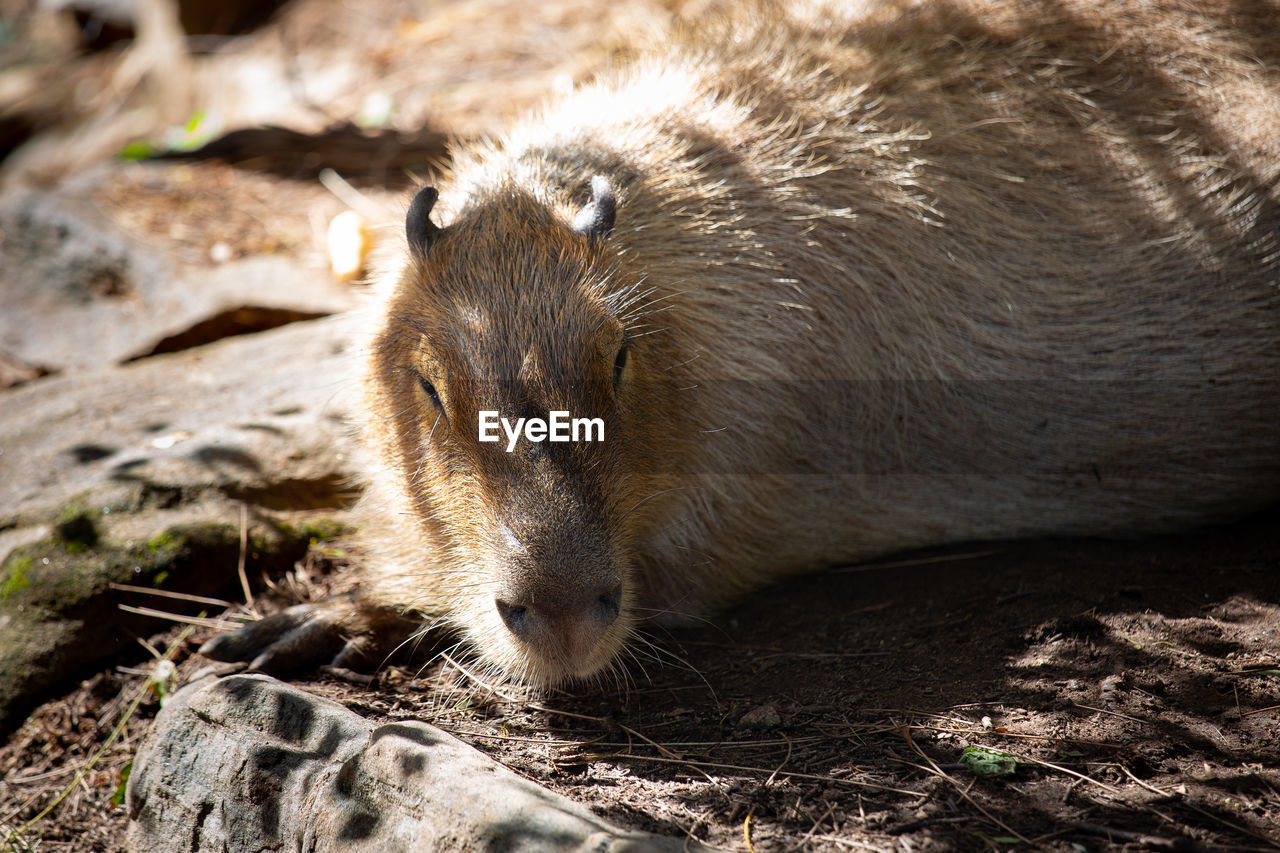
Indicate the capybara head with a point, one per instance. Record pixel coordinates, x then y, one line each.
513 312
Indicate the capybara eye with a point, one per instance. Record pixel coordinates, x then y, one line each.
427 387
620 363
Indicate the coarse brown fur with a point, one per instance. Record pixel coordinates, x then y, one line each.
919 273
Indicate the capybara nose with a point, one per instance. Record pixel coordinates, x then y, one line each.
562 625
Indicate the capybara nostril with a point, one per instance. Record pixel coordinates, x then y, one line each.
610 603
515 617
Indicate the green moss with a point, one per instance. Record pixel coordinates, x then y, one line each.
16 578
72 510
162 542
60 576
49 575
321 530
316 531
58 611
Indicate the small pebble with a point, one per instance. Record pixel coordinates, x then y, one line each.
761 717
220 253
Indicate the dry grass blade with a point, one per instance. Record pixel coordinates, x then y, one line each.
851 843
165 593
244 549
1110 789
1153 789
1112 713
198 621
39 777
774 774
539 741
741 768
1149 842
920 561
730 744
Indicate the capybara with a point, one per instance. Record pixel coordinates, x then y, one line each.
820 283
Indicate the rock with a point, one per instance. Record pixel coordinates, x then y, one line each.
60 615
257 418
14 371
69 276
249 763
761 717
138 473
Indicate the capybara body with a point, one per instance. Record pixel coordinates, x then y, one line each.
845 282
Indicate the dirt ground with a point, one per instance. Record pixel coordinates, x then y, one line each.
1135 684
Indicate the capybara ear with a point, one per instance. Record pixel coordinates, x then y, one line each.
596 219
422 232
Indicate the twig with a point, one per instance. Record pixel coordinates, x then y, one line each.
1110 789
198 621
165 593
1152 788
244 547
919 561
774 774
926 822
817 823
850 842
1151 842
666 751
352 197
1009 734
1112 713
835 780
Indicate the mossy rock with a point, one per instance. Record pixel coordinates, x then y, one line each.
60 616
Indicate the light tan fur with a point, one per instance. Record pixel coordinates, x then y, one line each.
1031 249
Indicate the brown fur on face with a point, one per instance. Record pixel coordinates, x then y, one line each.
919 273
511 312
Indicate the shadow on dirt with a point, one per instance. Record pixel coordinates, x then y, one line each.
1147 666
